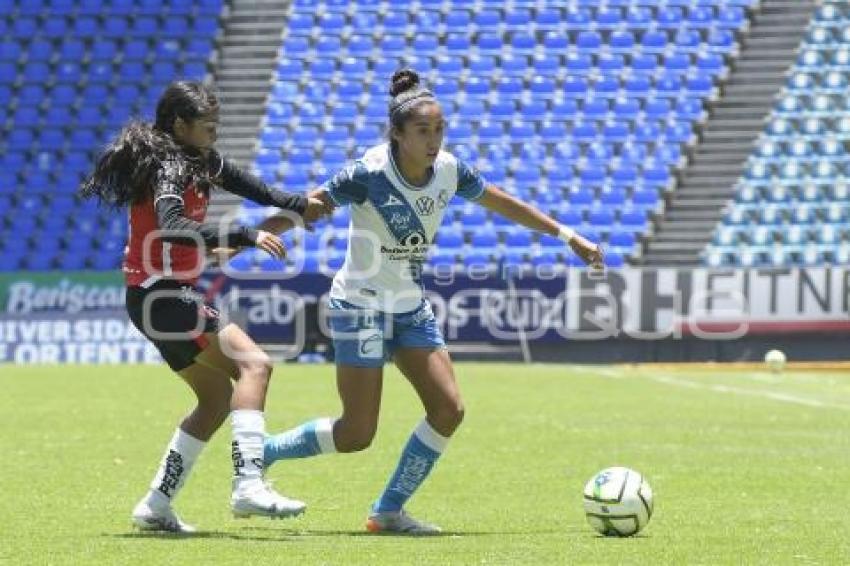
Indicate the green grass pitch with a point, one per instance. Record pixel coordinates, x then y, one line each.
747 468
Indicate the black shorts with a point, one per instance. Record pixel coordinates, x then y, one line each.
174 316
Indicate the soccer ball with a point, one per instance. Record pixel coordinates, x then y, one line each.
775 360
617 502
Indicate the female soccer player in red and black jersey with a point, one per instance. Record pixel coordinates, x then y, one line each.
164 173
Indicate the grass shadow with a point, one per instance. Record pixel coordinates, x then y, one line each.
220 535
272 534
363 533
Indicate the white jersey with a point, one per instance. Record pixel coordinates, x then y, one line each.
392 225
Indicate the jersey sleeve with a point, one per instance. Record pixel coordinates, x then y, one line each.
349 185
470 183
168 182
242 183
177 228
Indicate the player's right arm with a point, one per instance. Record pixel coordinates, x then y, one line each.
346 187
176 227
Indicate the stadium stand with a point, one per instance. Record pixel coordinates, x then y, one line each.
71 73
792 205
583 108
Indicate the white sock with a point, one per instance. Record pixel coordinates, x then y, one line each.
177 462
249 433
325 435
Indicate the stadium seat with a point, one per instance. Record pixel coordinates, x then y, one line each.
777 197
527 88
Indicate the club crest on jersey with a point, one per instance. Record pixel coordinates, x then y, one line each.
392 201
425 206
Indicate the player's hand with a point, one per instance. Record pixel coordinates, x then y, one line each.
316 209
271 244
590 253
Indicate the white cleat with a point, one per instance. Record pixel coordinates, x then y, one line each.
263 501
165 520
399 522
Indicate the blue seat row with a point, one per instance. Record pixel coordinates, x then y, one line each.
63 93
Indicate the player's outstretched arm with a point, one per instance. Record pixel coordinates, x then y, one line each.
239 182
499 201
318 199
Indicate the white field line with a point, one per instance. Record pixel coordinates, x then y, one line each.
773 395
611 373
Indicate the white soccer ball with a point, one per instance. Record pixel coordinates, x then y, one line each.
617 502
775 360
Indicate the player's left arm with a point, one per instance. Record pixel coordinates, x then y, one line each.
495 199
239 182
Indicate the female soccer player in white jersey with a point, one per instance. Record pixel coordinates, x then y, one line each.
398 193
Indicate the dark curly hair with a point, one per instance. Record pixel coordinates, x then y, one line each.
124 171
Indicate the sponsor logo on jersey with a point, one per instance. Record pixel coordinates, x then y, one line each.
400 220
425 206
414 239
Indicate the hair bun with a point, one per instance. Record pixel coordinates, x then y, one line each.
403 80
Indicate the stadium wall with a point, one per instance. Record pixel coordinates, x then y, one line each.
631 315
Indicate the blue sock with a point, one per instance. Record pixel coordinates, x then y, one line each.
419 456
309 439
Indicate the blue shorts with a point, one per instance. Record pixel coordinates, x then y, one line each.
367 338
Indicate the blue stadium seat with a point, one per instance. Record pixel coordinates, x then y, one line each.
477 88
588 42
521 84
635 219
487 20
625 240
392 45
518 239
578 63
645 198
296 47
640 18
622 42
608 19
720 41
585 132
449 239
578 20
518 18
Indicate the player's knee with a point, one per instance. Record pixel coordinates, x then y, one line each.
219 413
258 365
357 444
448 416
458 412
355 438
